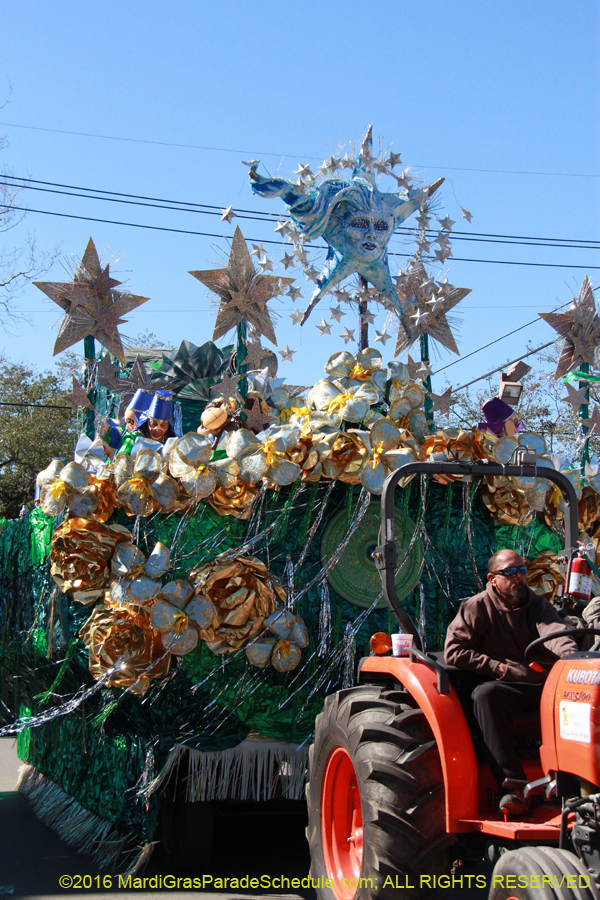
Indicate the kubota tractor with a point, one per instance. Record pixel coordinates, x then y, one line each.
398 788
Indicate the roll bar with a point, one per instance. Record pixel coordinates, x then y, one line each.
386 554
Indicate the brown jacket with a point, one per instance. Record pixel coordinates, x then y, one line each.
489 637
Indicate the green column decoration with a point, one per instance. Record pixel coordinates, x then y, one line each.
242 353
427 383
89 352
584 413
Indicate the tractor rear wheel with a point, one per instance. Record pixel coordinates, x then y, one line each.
376 810
541 873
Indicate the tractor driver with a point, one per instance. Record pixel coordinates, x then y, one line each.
489 636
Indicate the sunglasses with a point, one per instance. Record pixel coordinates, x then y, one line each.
510 571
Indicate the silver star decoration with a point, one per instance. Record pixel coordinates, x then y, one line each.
341 296
287 354
283 228
466 214
423 370
287 261
575 397
443 402
393 159
324 327
227 215
347 335
381 166
423 219
442 253
336 313
258 250
266 264
294 293
418 289
296 316
303 171
446 223
382 336
368 317
78 397
580 328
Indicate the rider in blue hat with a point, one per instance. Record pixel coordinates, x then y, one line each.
156 423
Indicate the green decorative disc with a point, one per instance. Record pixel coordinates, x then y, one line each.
355 577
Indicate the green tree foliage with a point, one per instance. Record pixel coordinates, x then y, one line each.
30 435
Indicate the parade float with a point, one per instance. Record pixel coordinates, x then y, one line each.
172 617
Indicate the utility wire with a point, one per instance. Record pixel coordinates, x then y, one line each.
110 137
501 338
499 368
176 205
37 405
500 262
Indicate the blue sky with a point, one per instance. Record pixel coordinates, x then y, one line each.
483 94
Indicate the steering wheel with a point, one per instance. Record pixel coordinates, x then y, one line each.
555 634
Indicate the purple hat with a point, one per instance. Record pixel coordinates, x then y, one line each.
140 401
161 406
496 412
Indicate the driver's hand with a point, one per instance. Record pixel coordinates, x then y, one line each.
514 671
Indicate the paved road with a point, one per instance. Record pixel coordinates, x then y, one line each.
32 858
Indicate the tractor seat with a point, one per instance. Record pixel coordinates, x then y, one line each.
464 683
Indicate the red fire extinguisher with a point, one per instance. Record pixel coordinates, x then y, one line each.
579 578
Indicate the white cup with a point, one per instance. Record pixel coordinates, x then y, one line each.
401 643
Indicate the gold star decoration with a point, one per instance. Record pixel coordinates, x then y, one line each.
91 305
243 291
227 389
137 379
443 402
575 397
254 417
78 398
426 304
593 422
580 328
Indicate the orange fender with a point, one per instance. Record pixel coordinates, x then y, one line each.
449 725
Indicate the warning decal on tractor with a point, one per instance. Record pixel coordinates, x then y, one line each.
575 721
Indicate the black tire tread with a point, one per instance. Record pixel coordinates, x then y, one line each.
401 784
538 861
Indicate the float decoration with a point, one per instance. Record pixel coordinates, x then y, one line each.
91 305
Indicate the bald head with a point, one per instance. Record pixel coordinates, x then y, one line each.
511 588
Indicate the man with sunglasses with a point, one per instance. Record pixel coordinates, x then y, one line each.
489 636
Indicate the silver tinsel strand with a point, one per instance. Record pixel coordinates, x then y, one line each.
324 635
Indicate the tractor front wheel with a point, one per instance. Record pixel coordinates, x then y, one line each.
541 873
375 796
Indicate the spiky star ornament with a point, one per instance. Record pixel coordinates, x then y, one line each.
78 398
243 292
580 328
91 305
427 303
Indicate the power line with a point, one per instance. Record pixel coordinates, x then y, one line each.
499 369
37 405
501 338
500 262
111 137
268 217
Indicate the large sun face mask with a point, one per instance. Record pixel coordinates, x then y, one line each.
355 219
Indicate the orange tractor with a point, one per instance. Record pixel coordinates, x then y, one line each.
398 788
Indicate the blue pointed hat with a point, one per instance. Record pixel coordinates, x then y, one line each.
140 401
161 406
